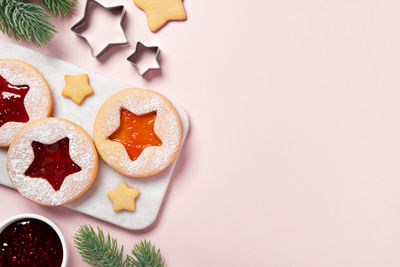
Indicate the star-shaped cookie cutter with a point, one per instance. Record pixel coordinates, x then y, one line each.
135 57
115 10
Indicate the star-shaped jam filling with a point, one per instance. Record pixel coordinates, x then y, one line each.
52 162
12 106
136 132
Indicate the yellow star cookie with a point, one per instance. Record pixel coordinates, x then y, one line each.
77 87
123 197
159 12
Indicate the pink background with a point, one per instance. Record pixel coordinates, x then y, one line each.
293 155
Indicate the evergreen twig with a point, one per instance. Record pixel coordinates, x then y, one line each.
97 251
60 7
145 255
21 19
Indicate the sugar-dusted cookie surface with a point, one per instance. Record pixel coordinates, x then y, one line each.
138 132
77 87
159 12
24 97
52 161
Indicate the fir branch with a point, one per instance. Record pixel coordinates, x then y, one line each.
60 7
95 250
145 255
21 19
28 21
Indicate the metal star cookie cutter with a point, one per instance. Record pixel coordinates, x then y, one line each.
135 57
115 10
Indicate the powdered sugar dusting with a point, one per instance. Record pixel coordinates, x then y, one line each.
37 101
48 131
167 127
8 95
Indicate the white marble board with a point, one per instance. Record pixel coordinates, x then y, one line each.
95 201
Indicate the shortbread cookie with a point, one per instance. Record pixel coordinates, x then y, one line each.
52 161
138 132
24 96
77 87
123 197
159 12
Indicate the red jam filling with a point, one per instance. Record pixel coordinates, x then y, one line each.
30 242
52 162
12 98
136 132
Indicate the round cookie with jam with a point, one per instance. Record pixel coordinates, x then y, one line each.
24 96
52 161
138 132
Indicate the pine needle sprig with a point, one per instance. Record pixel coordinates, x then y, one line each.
60 7
22 19
145 255
27 21
96 250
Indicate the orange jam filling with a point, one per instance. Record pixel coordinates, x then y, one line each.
136 132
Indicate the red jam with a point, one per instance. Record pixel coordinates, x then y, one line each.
12 98
52 162
136 132
30 242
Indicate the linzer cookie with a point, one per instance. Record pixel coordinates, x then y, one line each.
52 161
138 132
24 96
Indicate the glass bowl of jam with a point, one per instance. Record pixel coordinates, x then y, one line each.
32 240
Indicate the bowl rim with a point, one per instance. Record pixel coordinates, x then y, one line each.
46 220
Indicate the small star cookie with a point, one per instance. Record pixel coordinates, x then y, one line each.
159 12
77 87
123 197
